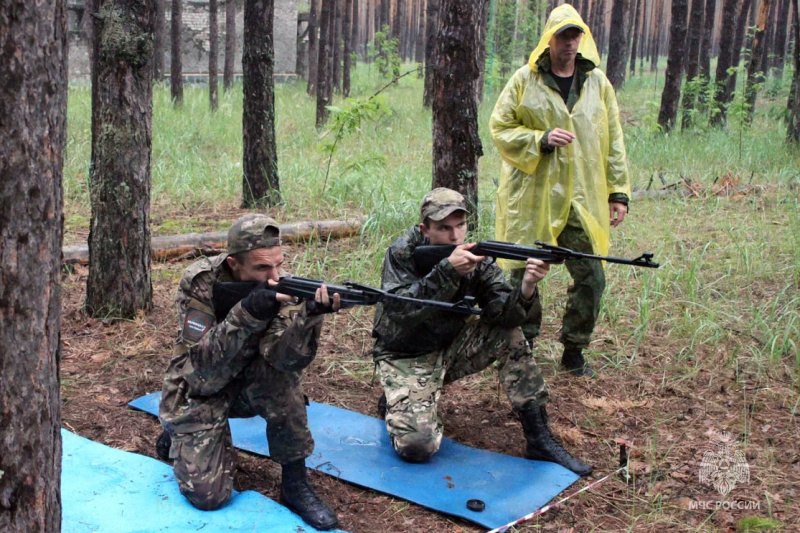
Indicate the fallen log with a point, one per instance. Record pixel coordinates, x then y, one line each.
171 246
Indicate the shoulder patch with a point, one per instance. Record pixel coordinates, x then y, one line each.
196 325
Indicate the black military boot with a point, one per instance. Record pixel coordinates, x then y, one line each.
543 446
163 444
382 407
298 496
573 361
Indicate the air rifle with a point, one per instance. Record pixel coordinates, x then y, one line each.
427 257
227 294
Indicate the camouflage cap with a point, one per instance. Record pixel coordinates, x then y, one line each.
253 231
441 202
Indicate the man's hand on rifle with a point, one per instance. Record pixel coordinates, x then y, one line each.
465 261
322 298
535 271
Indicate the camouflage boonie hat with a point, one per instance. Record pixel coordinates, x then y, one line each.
441 202
251 232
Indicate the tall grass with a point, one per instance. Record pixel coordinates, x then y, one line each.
730 266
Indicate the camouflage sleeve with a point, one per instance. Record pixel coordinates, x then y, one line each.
500 303
290 343
399 276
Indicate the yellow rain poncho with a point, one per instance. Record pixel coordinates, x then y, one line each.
538 190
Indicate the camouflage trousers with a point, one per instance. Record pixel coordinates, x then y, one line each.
204 460
583 296
413 386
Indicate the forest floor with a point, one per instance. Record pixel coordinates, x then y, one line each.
670 419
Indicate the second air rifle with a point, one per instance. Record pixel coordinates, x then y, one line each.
427 257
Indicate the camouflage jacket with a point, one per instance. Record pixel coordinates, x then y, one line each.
210 355
406 331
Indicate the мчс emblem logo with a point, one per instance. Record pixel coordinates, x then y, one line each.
725 466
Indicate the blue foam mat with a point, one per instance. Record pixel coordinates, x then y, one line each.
356 448
111 491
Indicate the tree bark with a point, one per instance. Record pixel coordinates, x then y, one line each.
158 43
385 14
213 45
615 69
780 38
119 283
260 185
483 22
313 49
755 74
672 85
693 62
175 67
706 44
324 82
347 33
354 35
793 129
337 47
431 32
727 50
419 45
33 107
456 143
637 17
230 43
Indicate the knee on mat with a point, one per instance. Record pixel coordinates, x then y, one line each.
415 447
208 501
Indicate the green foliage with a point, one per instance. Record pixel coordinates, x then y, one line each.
751 524
385 53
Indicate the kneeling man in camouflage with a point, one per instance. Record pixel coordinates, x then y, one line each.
419 350
241 362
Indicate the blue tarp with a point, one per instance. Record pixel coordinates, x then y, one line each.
111 491
356 448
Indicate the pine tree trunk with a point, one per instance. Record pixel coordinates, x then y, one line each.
158 42
693 62
347 32
615 69
119 283
260 185
354 34
755 74
385 14
213 45
33 107
456 143
337 47
481 47
793 127
668 112
637 16
313 48
780 38
324 81
769 40
431 32
419 49
230 43
727 51
175 67
706 43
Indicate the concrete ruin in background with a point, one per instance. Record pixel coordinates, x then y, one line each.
195 39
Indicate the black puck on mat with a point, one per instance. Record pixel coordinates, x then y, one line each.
476 505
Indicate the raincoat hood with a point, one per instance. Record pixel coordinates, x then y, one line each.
562 16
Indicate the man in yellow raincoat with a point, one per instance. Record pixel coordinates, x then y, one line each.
564 179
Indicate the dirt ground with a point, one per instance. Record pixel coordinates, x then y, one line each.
671 423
